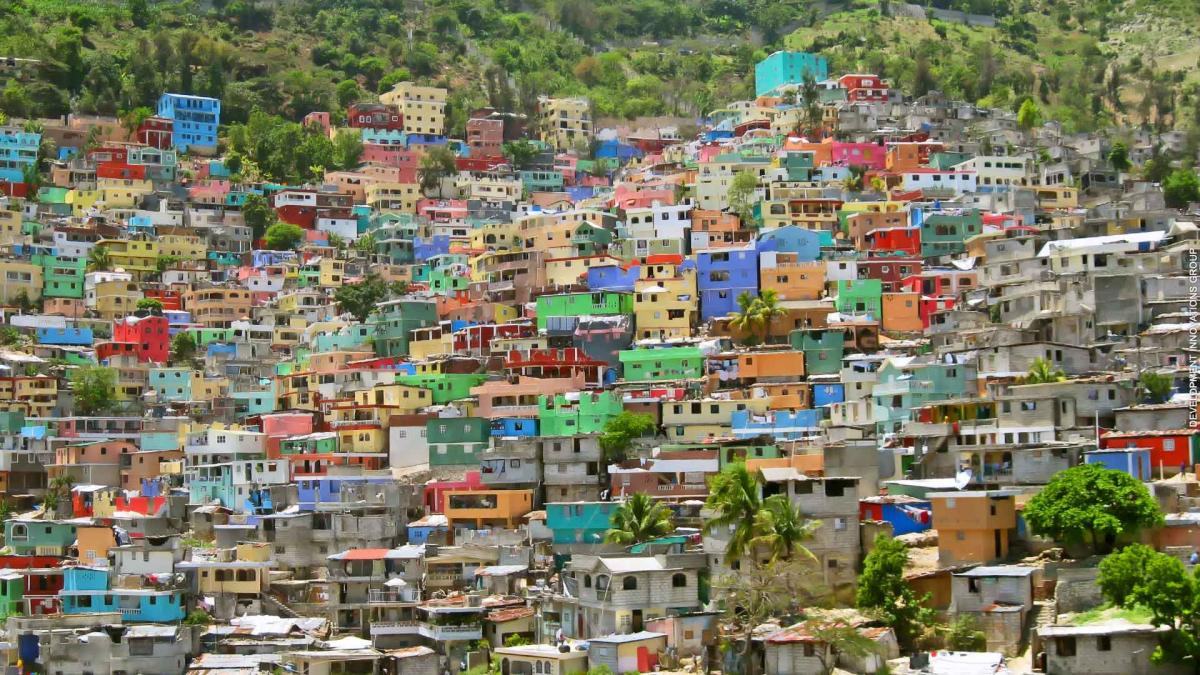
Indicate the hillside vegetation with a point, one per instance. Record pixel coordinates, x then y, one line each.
1091 62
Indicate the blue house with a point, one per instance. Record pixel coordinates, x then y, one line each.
827 393
514 426
327 489
579 522
18 150
432 527
86 591
788 68
617 150
1134 461
806 244
81 337
781 424
612 278
723 275
905 514
438 244
195 120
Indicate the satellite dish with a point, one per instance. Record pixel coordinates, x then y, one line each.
962 479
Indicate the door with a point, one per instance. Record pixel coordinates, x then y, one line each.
996 536
637 620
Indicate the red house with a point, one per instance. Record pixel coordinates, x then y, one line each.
170 299
148 334
870 88
889 271
374 116
156 132
905 240
1169 449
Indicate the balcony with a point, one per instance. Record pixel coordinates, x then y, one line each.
396 628
448 633
377 596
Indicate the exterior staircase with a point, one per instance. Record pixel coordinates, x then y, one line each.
277 607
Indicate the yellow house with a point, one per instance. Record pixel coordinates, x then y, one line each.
1050 197
17 278
692 421
423 108
122 193
39 393
139 257
664 301
488 186
429 342
116 298
246 571
397 197
10 227
82 201
568 271
363 439
495 237
182 246
407 399
330 272
206 389
564 122
131 378
288 336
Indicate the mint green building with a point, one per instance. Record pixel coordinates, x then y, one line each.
599 303
62 276
584 413
823 349
861 296
444 387
946 233
394 323
661 363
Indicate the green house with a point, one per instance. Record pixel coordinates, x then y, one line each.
589 239
448 280
457 441
823 349
629 249
204 336
945 161
663 363
11 421
578 413
62 276
395 321
25 537
324 443
946 233
861 296
799 165
600 303
542 181
905 384
12 593
444 387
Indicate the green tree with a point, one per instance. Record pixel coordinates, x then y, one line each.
882 588
347 92
1181 188
964 635
347 148
733 494
1156 387
520 153
1089 504
258 214
438 163
1140 577
360 299
98 259
1041 371
150 304
183 347
780 528
836 638
741 196
1030 115
1118 157
94 387
132 119
1121 572
639 519
284 236
621 430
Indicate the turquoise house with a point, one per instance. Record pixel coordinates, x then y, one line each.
170 384
86 591
905 383
579 522
946 233
457 441
394 323
25 537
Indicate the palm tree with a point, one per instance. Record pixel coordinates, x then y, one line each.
769 310
781 527
747 318
1042 371
98 259
639 519
734 496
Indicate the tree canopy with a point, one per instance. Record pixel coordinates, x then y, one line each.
883 589
360 299
1092 505
639 519
1138 576
284 236
622 429
94 387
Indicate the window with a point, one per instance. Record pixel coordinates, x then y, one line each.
1104 643
587 581
679 580
629 584
1065 646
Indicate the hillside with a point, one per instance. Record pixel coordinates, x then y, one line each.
1091 62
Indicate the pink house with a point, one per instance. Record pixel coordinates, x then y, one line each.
626 197
436 490
209 192
280 425
869 155
500 398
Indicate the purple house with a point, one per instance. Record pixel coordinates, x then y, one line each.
722 275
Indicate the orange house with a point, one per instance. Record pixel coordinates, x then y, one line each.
903 157
93 544
144 465
973 526
794 280
809 465
477 509
902 313
779 366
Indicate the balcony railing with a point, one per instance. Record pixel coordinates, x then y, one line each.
396 628
446 633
